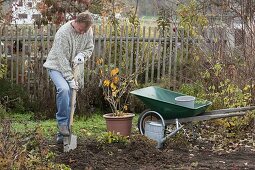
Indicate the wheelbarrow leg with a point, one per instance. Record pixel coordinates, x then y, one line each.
193 130
178 124
178 127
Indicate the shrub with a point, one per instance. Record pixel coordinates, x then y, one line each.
13 97
226 95
3 66
2 111
26 150
89 98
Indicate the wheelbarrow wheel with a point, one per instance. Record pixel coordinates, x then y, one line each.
148 115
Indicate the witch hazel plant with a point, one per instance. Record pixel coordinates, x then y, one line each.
116 87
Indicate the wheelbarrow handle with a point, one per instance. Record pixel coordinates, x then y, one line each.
230 110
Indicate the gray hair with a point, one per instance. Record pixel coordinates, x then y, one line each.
84 17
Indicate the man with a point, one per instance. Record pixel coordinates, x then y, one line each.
73 44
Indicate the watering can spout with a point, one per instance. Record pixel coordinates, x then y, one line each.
156 132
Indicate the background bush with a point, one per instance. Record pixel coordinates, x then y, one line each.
13 97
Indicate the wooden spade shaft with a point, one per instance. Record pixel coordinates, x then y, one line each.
73 97
70 142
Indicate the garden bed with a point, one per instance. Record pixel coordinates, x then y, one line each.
178 153
213 147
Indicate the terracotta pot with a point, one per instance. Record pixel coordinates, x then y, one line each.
119 124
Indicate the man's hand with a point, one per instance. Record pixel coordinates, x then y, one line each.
73 84
79 58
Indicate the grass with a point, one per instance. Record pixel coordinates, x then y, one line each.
92 126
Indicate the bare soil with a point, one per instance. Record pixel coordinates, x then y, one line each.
179 152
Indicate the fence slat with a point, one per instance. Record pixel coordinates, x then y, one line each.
127 58
93 57
99 44
143 43
48 38
120 52
164 55
170 56
42 48
159 55
115 46
147 59
5 49
47 52
187 54
99 41
104 45
181 55
29 64
35 78
175 58
137 51
110 49
132 51
12 57
23 56
143 50
153 54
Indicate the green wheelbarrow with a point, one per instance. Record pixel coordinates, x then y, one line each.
164 109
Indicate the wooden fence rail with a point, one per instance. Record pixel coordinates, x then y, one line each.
160 53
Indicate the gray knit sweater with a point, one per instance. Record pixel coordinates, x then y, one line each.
67 44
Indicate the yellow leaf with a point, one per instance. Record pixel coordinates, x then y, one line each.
115 79
99 61
114 94
125 107
114 72
106 83
113 87
101 72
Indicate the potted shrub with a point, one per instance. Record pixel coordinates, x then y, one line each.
116 88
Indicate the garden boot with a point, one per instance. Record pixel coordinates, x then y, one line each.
60 138
64 130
